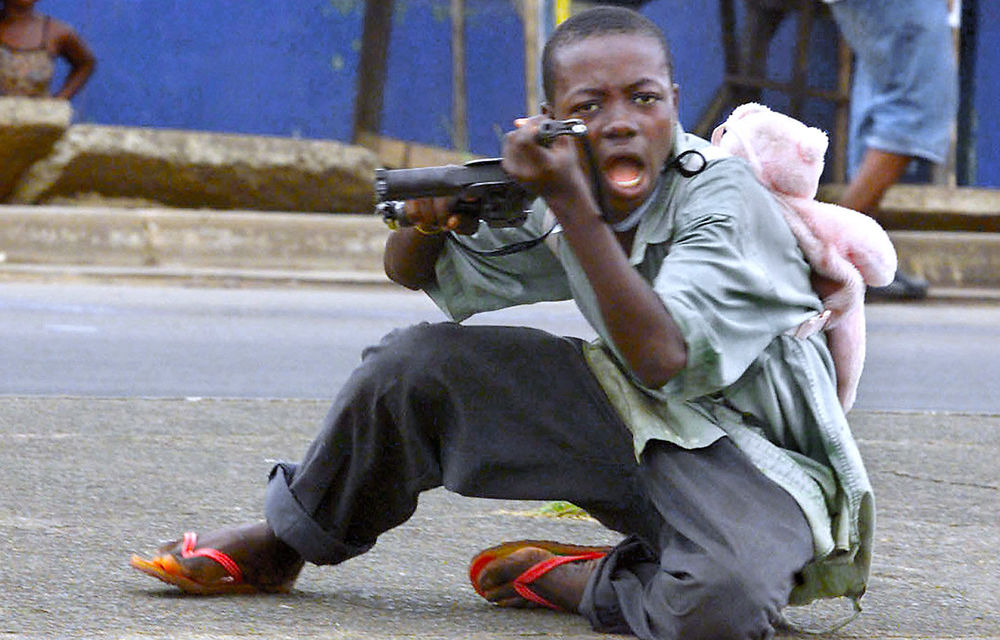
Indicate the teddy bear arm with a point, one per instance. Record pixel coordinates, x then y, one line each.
858 238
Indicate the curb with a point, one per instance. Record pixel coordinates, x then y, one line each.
193 276
244 277
74 237
221 247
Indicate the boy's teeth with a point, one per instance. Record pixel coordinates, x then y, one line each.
625 174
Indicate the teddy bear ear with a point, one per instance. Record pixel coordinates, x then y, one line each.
717 134
746 109
812 145
738 113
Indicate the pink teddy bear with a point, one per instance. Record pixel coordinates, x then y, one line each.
846 249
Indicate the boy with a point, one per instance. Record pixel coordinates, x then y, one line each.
703 423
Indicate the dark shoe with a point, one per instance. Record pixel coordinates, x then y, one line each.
902 287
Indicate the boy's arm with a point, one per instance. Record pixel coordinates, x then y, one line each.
637 321
410 257
412 252
635 317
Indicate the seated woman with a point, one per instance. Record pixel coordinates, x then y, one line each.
30 43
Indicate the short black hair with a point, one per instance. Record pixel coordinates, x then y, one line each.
598 21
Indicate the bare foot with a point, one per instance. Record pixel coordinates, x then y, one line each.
266 563
562 585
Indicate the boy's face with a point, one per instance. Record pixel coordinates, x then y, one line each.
620 86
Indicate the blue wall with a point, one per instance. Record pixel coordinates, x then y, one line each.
288 68
283 68
986 99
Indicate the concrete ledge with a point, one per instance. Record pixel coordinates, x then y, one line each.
933 208
201 170
958 259
29 127
400 154
191 239
325 245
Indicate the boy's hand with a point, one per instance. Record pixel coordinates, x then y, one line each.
552 171
434 215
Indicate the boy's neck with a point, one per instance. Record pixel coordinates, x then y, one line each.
625 239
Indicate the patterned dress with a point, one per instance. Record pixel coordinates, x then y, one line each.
26 72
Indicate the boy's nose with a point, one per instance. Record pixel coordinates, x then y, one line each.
620 128
618 123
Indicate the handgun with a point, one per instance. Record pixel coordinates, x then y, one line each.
483 188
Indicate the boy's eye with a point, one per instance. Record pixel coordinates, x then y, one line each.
585 108
645 99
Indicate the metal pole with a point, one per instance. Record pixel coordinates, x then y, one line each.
459 117
966 169
372 67
531 18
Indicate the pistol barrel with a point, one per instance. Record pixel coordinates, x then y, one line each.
430 182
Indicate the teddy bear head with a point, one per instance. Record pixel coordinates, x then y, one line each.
785 154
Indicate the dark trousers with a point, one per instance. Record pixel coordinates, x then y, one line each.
713 546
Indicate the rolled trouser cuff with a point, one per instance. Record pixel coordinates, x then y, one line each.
296 528
600 601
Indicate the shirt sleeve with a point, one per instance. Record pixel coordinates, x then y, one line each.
733 278
467 282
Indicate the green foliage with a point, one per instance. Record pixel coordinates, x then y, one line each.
560 509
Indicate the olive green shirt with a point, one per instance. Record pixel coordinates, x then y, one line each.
717 250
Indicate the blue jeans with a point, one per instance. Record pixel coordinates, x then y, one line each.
905 92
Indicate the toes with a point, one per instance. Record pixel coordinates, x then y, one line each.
496 580
502 572
505 596
501 594
170 564
264 561
202 570
516 603
172 547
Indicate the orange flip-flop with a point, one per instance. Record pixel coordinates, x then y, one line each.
563 553
167 569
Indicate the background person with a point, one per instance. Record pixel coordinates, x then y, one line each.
30 43
904 100
904 94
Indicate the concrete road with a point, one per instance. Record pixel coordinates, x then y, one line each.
89 481
302 343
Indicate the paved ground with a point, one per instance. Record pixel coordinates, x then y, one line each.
90 481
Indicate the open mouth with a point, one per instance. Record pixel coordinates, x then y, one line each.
625 174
